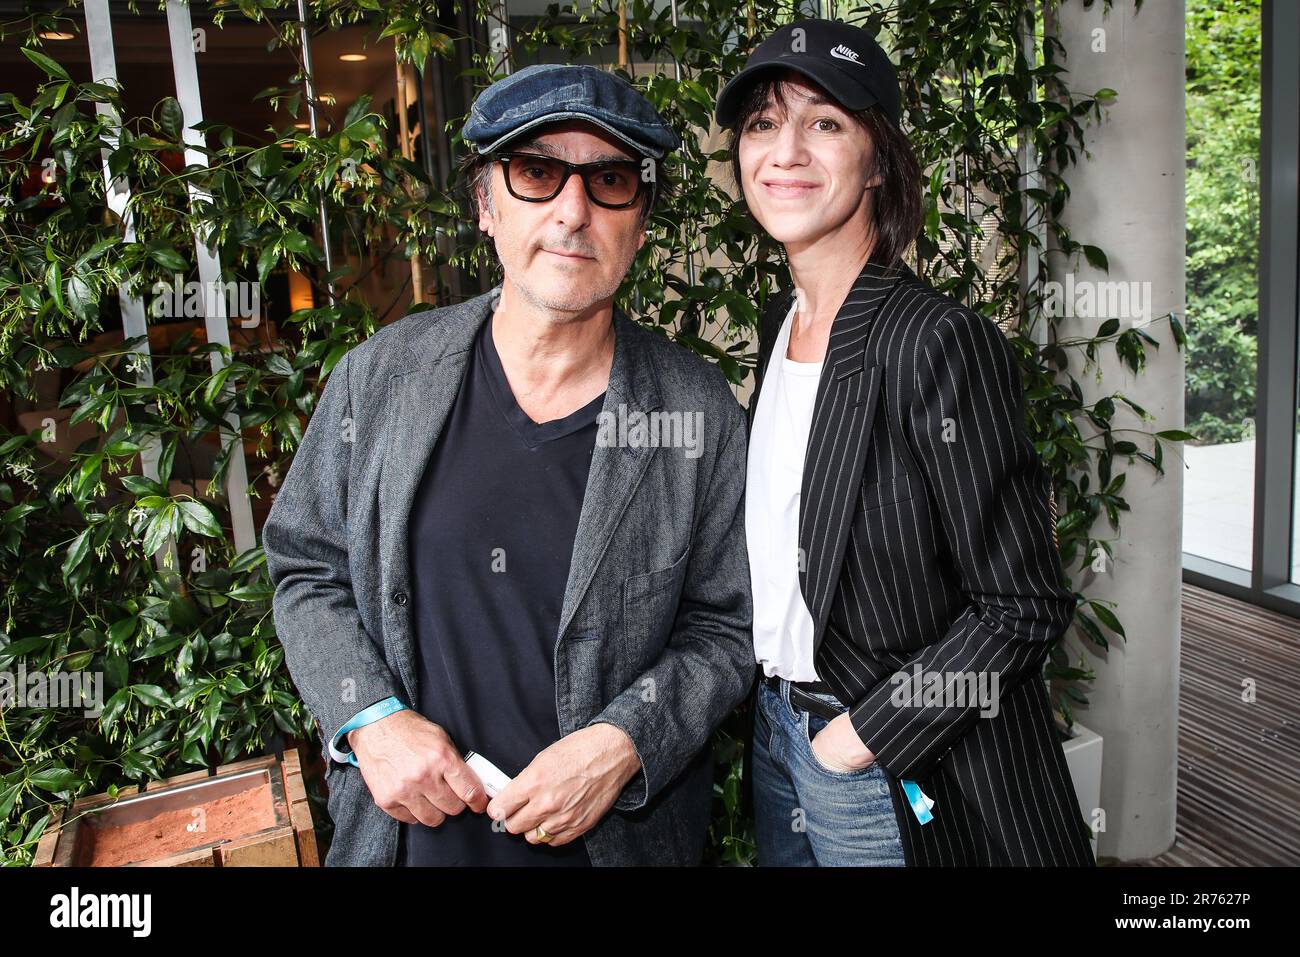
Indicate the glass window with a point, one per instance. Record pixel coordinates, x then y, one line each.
1223 163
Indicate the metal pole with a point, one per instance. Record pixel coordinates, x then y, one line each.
677 75
309 87
1032 179
407 148
1279 246
180 32
499 36
103 69
439 154
965 162
422 114
426 156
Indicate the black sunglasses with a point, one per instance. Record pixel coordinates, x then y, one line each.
534 178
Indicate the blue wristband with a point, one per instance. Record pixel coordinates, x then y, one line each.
920 801
380 709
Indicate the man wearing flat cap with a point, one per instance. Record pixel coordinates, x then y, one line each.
509 557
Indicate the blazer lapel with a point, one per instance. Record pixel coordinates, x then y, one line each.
420 396
843 413
616 471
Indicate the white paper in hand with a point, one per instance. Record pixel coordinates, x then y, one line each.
493 778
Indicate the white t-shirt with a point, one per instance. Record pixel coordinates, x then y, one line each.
778 441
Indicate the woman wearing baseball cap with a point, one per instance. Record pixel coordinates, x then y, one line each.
906 586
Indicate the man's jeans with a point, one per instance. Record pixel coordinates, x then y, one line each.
807 815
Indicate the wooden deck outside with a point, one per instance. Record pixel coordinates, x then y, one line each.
1238 762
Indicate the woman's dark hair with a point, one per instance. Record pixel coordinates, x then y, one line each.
897 210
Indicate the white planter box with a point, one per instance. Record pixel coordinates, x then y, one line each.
1083 757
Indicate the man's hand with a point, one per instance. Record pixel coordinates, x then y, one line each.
838 746
569 786
413 770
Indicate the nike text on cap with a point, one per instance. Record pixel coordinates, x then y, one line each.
844 60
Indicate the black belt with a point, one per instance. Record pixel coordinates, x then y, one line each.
801 696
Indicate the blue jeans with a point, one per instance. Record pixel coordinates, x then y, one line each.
806 815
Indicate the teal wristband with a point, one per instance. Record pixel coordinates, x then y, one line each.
921 802
380 709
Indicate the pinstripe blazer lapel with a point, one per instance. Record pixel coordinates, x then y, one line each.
845 406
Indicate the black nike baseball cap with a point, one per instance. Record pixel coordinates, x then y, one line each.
844 60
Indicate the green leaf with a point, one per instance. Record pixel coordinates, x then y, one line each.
18 512
11 444
166 459
399 27
142 485
331 360
215 384
212 709
166 255
54 285
95 251
267 261
78 661
54 778
199 518
24 646
77 552
248 560
173 117
300 244
122 629
160 647
266 162
160 527
1096 258
114 707
192 753
234 685
252 593
1089 628
7 798
151 695
81 298
1107 618
289 423
46 64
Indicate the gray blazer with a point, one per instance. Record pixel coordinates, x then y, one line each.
654 633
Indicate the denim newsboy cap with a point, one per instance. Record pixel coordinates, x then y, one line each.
549 92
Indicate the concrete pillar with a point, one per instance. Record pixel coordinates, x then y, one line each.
1128 198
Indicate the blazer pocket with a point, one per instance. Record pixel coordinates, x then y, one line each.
652 597
888 491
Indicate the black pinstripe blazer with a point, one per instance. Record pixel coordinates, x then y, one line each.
925 540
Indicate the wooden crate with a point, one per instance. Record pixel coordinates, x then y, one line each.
252 813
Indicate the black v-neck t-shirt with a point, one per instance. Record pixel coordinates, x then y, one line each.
491 537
